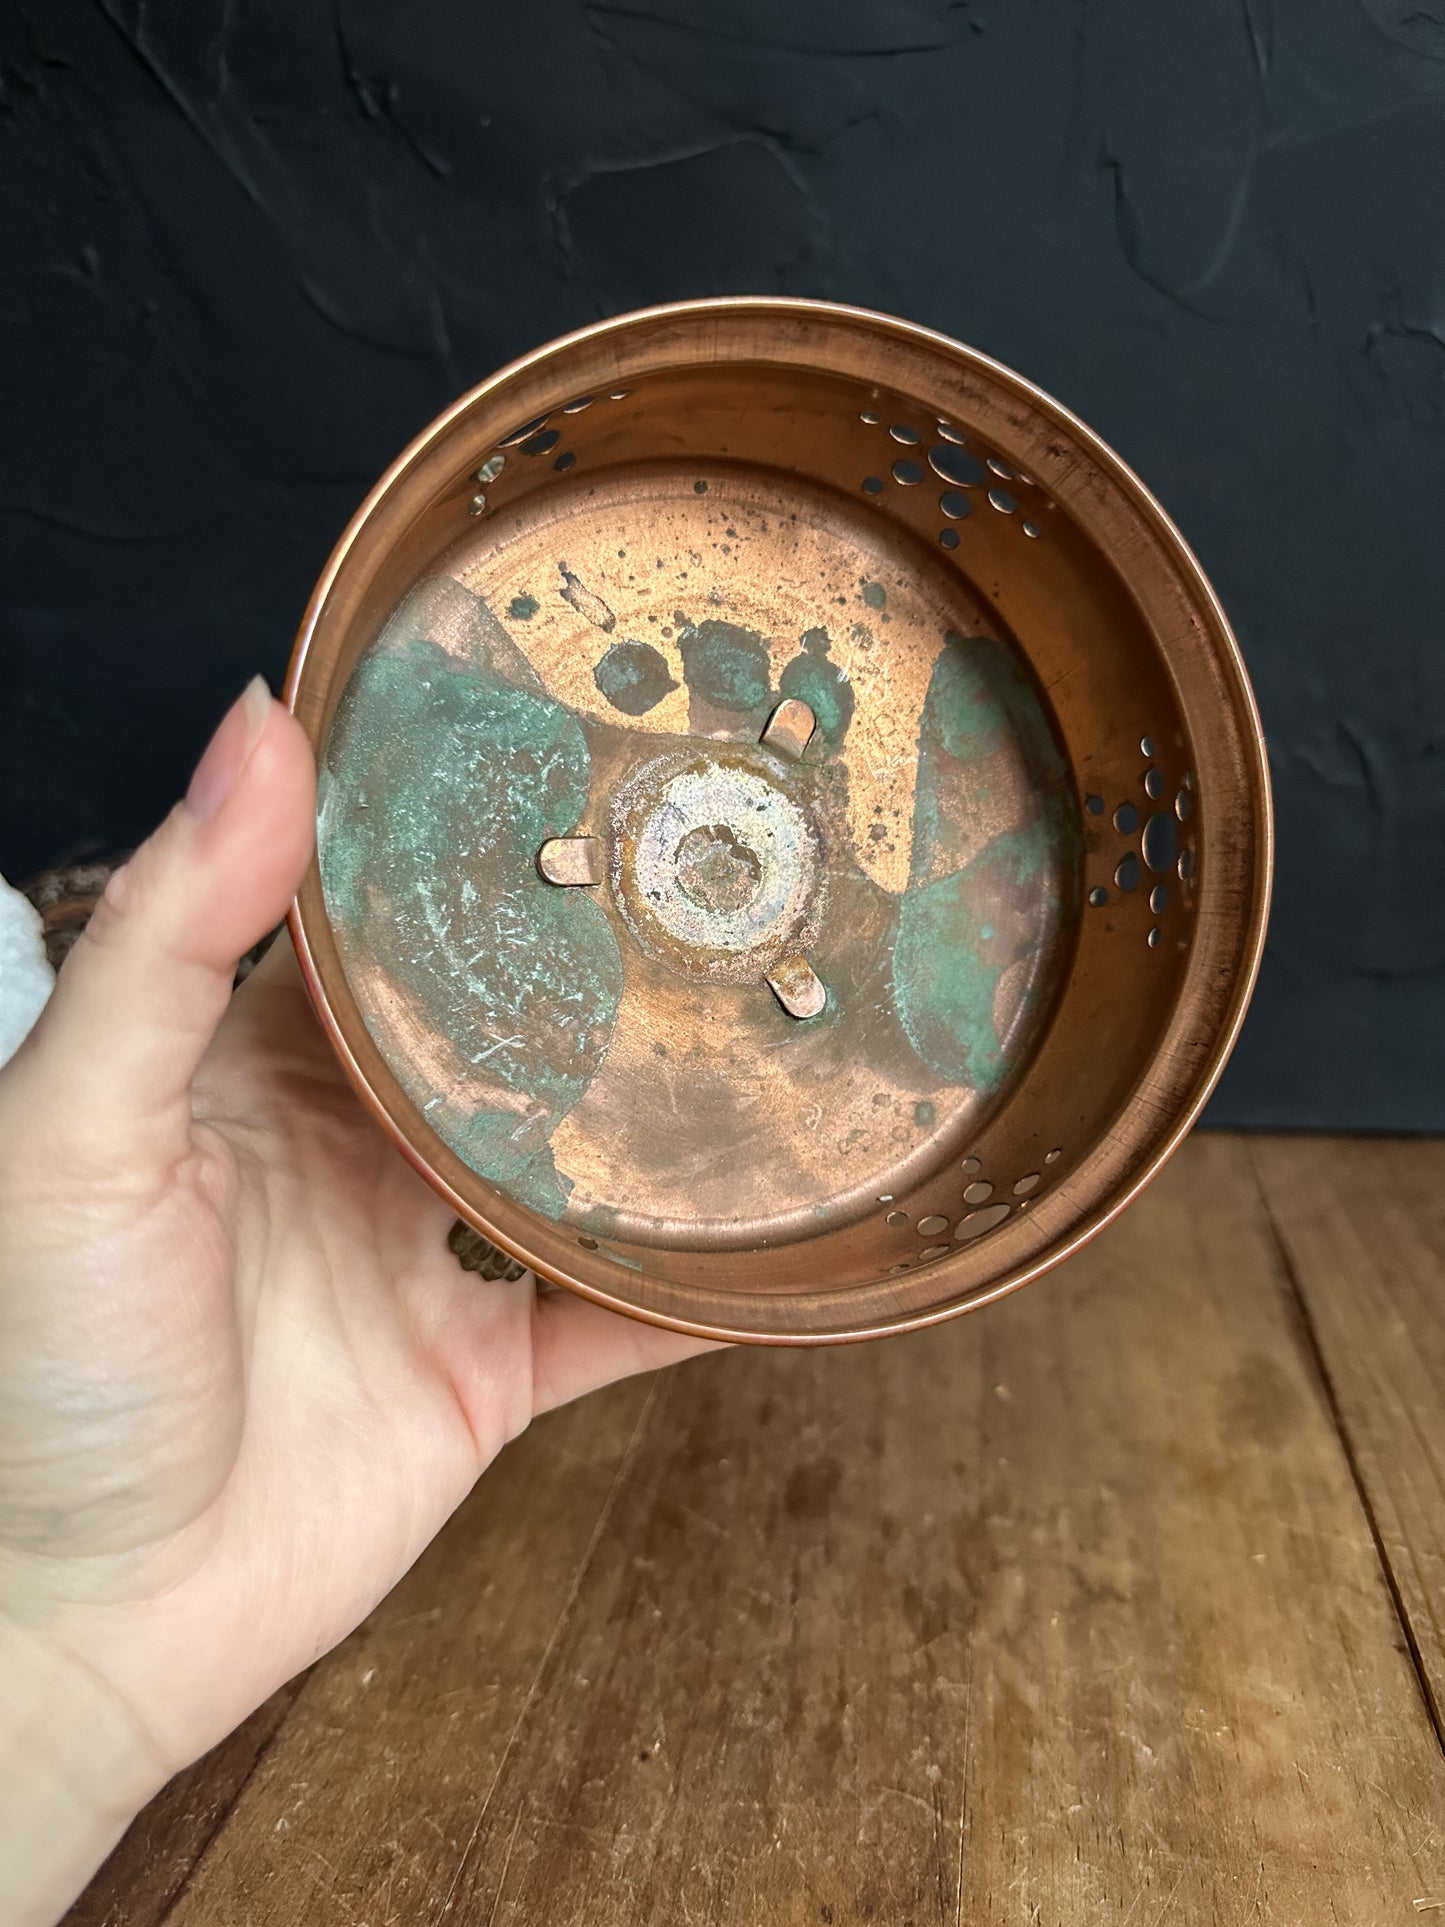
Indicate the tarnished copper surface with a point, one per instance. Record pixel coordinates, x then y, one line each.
794 836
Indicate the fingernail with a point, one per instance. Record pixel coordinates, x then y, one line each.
229 750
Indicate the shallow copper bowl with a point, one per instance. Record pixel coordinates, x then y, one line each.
794 830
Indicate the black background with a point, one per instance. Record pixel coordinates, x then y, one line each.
249 247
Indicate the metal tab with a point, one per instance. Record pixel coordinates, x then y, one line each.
789 729
571 860
798 987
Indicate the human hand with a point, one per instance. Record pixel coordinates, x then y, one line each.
243 1381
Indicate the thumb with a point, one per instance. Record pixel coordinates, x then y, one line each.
102 1085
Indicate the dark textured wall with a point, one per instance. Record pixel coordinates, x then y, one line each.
250 246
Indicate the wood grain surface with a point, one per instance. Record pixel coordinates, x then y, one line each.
1114 1603
1361 1225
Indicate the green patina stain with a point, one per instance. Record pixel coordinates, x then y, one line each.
963 709
541 1186
634 677
980 701
924 1115
725 664
523 607
826 690
875 595
435 880
979 696
944 976
963 924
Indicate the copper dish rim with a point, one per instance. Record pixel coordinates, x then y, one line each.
1134 1126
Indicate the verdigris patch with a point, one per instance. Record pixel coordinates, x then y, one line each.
441 782
946 972
969 913
725 664
966 708
634 677
980 702
813 679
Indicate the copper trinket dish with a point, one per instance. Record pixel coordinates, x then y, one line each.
793 830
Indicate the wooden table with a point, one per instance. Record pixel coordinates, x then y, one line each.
1123 1601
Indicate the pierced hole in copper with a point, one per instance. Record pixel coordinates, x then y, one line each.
1098 896
1000 467
1153 784
901 432
1030 529
907 473
1052 1157
1159 898
948 538
978 1222
872 484
1030 1181
971 1167
1186 865
897 1218
1094 805
950 433
1160 842
934 1251
1002 501
955 504
588 1244
957 466
1154 938
1126 819
930 1227
1183 803
1146 747
521 434
1128 873
979 1193
869 417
